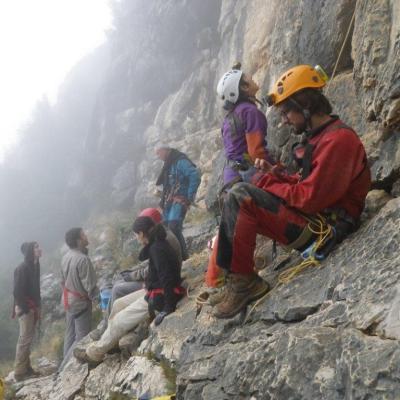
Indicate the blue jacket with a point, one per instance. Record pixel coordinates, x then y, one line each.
180 179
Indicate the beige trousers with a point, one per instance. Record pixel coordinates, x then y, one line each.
127 312
26 334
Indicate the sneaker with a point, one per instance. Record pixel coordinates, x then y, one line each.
20 377
28 374
243 289
32 373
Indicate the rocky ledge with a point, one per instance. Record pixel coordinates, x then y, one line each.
331 333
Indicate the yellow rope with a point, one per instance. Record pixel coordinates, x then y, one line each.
323 230
341 51
198 299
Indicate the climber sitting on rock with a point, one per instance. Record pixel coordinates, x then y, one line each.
133 280
330 189
162 293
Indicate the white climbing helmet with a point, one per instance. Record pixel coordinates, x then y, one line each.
228 85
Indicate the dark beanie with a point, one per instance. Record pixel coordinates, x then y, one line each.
24 248
27 251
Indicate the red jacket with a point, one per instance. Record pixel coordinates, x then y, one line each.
339 178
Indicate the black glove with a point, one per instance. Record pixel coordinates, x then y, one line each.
160 317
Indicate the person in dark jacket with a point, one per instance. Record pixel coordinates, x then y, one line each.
329 190
180 180
163 282
162 293
27 303
134 279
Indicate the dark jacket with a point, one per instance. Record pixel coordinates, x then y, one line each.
163 280
27 283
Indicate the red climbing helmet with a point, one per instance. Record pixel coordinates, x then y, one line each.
152 213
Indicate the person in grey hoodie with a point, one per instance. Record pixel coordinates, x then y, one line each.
80 289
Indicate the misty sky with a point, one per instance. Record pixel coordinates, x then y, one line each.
40 41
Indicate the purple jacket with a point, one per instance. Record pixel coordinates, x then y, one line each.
250 137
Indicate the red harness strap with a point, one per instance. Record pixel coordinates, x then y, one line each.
180 291
66 291
32 306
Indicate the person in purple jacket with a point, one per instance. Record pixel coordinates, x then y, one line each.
244 132
244 128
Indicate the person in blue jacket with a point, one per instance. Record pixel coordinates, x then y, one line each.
180 180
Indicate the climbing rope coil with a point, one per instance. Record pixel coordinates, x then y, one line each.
324 232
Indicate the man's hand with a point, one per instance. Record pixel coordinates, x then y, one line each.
160 317
263 165
19 311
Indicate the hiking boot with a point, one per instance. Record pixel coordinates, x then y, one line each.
243 289
95 334
20 377
81 355
32 373
218 297
28 374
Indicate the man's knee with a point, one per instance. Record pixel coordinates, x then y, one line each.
117 290
240 190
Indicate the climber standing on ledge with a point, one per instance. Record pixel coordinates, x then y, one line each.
180 179
333 181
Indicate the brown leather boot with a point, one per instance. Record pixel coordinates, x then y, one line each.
243 289
81 355
219 296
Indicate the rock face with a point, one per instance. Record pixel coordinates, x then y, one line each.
327 334
332 332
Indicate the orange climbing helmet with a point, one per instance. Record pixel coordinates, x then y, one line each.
294 80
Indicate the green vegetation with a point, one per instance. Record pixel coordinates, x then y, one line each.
5 367
9 393
196 215
169 371
119 396
51 342
116 238
8 332
170 374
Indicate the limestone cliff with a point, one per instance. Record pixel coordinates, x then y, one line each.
333 332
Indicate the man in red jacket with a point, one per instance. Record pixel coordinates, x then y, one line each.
334 179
